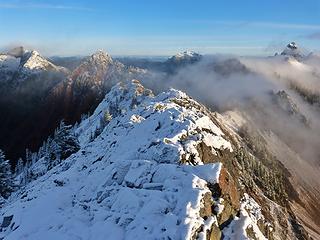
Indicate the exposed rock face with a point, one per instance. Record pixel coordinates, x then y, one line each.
278 194
286 103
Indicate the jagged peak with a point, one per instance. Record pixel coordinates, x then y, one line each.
292 45
32 62
32 59
93 68
293 50
98 60
100 57
22 64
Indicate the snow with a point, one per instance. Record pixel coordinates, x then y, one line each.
126 182
33 63
250 213
166 120
185 56
187 53
21 68
207 227
209 172
219 206
112 196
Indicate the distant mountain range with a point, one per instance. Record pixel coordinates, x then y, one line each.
42 94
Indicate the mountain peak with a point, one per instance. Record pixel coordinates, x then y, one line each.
92 70
33 60
293 50
100 57
292 45
188 54
183 58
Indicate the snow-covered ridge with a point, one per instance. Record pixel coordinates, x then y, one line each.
187 121
32 62
126 181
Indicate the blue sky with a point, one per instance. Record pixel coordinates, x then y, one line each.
150 27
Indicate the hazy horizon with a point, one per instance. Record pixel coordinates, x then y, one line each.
144 28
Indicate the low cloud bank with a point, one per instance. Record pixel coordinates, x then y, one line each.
251 84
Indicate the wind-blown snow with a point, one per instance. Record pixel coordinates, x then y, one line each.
126 181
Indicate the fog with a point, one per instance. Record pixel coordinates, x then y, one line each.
250 85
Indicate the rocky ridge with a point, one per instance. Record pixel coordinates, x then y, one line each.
184 177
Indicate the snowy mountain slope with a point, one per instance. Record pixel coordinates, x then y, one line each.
100 71
24 64
303 196
32 63
16 68
139 174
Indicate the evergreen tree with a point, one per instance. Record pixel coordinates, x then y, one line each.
19 167
28 158
62 145
6 177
